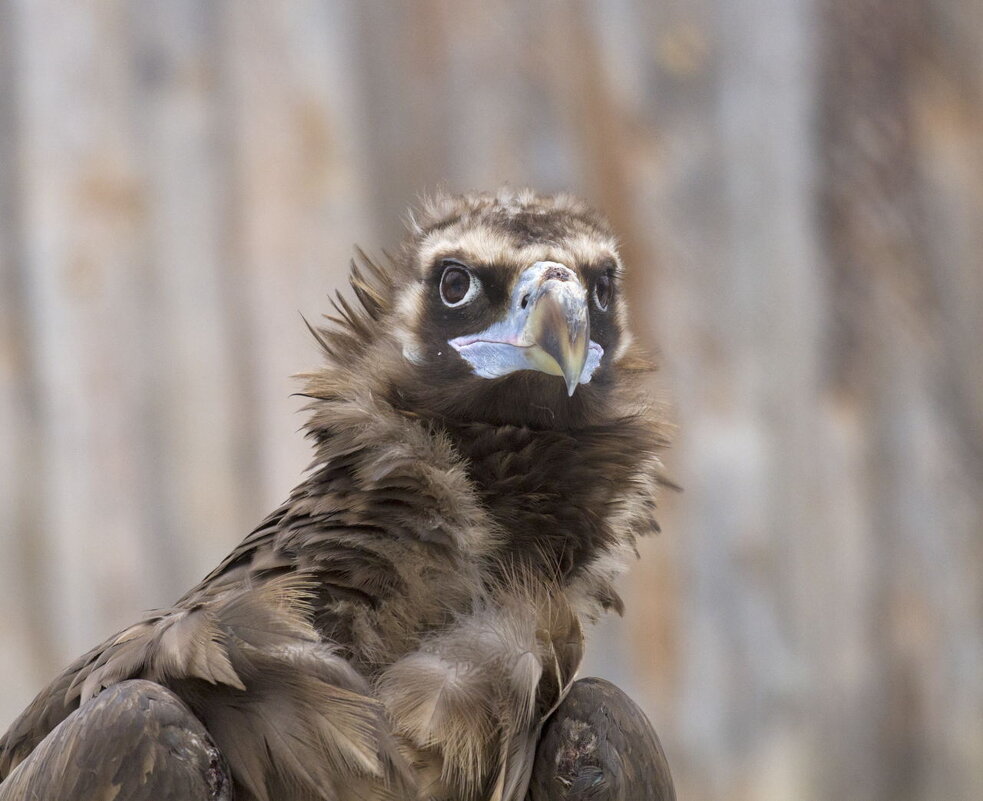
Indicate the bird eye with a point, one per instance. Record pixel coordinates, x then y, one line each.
603 289
457 285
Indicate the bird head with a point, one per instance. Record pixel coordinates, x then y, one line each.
502 308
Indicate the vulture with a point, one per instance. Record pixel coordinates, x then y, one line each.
410 622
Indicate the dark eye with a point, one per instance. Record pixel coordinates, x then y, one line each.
603 289
457 285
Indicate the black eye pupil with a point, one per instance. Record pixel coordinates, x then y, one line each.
454 285
602 291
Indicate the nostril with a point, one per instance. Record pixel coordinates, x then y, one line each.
557 272
525 300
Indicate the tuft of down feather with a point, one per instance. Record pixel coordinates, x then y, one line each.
471 701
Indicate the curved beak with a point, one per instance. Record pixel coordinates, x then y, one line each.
558 329
546 328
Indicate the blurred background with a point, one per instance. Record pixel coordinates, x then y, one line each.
799 190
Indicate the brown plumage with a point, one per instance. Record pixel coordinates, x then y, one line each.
484 462
153 731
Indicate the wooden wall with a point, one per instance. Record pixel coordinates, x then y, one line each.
799 187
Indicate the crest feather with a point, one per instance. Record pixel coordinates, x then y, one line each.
355 324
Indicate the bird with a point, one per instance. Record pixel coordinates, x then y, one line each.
404 625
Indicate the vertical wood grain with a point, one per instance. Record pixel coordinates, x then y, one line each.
82 212
918 400
298 204
21 486
199 412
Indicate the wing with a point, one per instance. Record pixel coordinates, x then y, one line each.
347 565
281 704
137 741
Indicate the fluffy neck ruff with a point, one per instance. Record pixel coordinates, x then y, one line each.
567 500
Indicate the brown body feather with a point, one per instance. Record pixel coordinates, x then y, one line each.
402 625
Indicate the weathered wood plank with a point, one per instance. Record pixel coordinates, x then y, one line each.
198 421
21 489
298 203
894 258
81 216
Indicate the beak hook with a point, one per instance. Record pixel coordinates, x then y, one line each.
559 324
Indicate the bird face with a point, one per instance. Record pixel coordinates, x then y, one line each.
512 299
545 326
